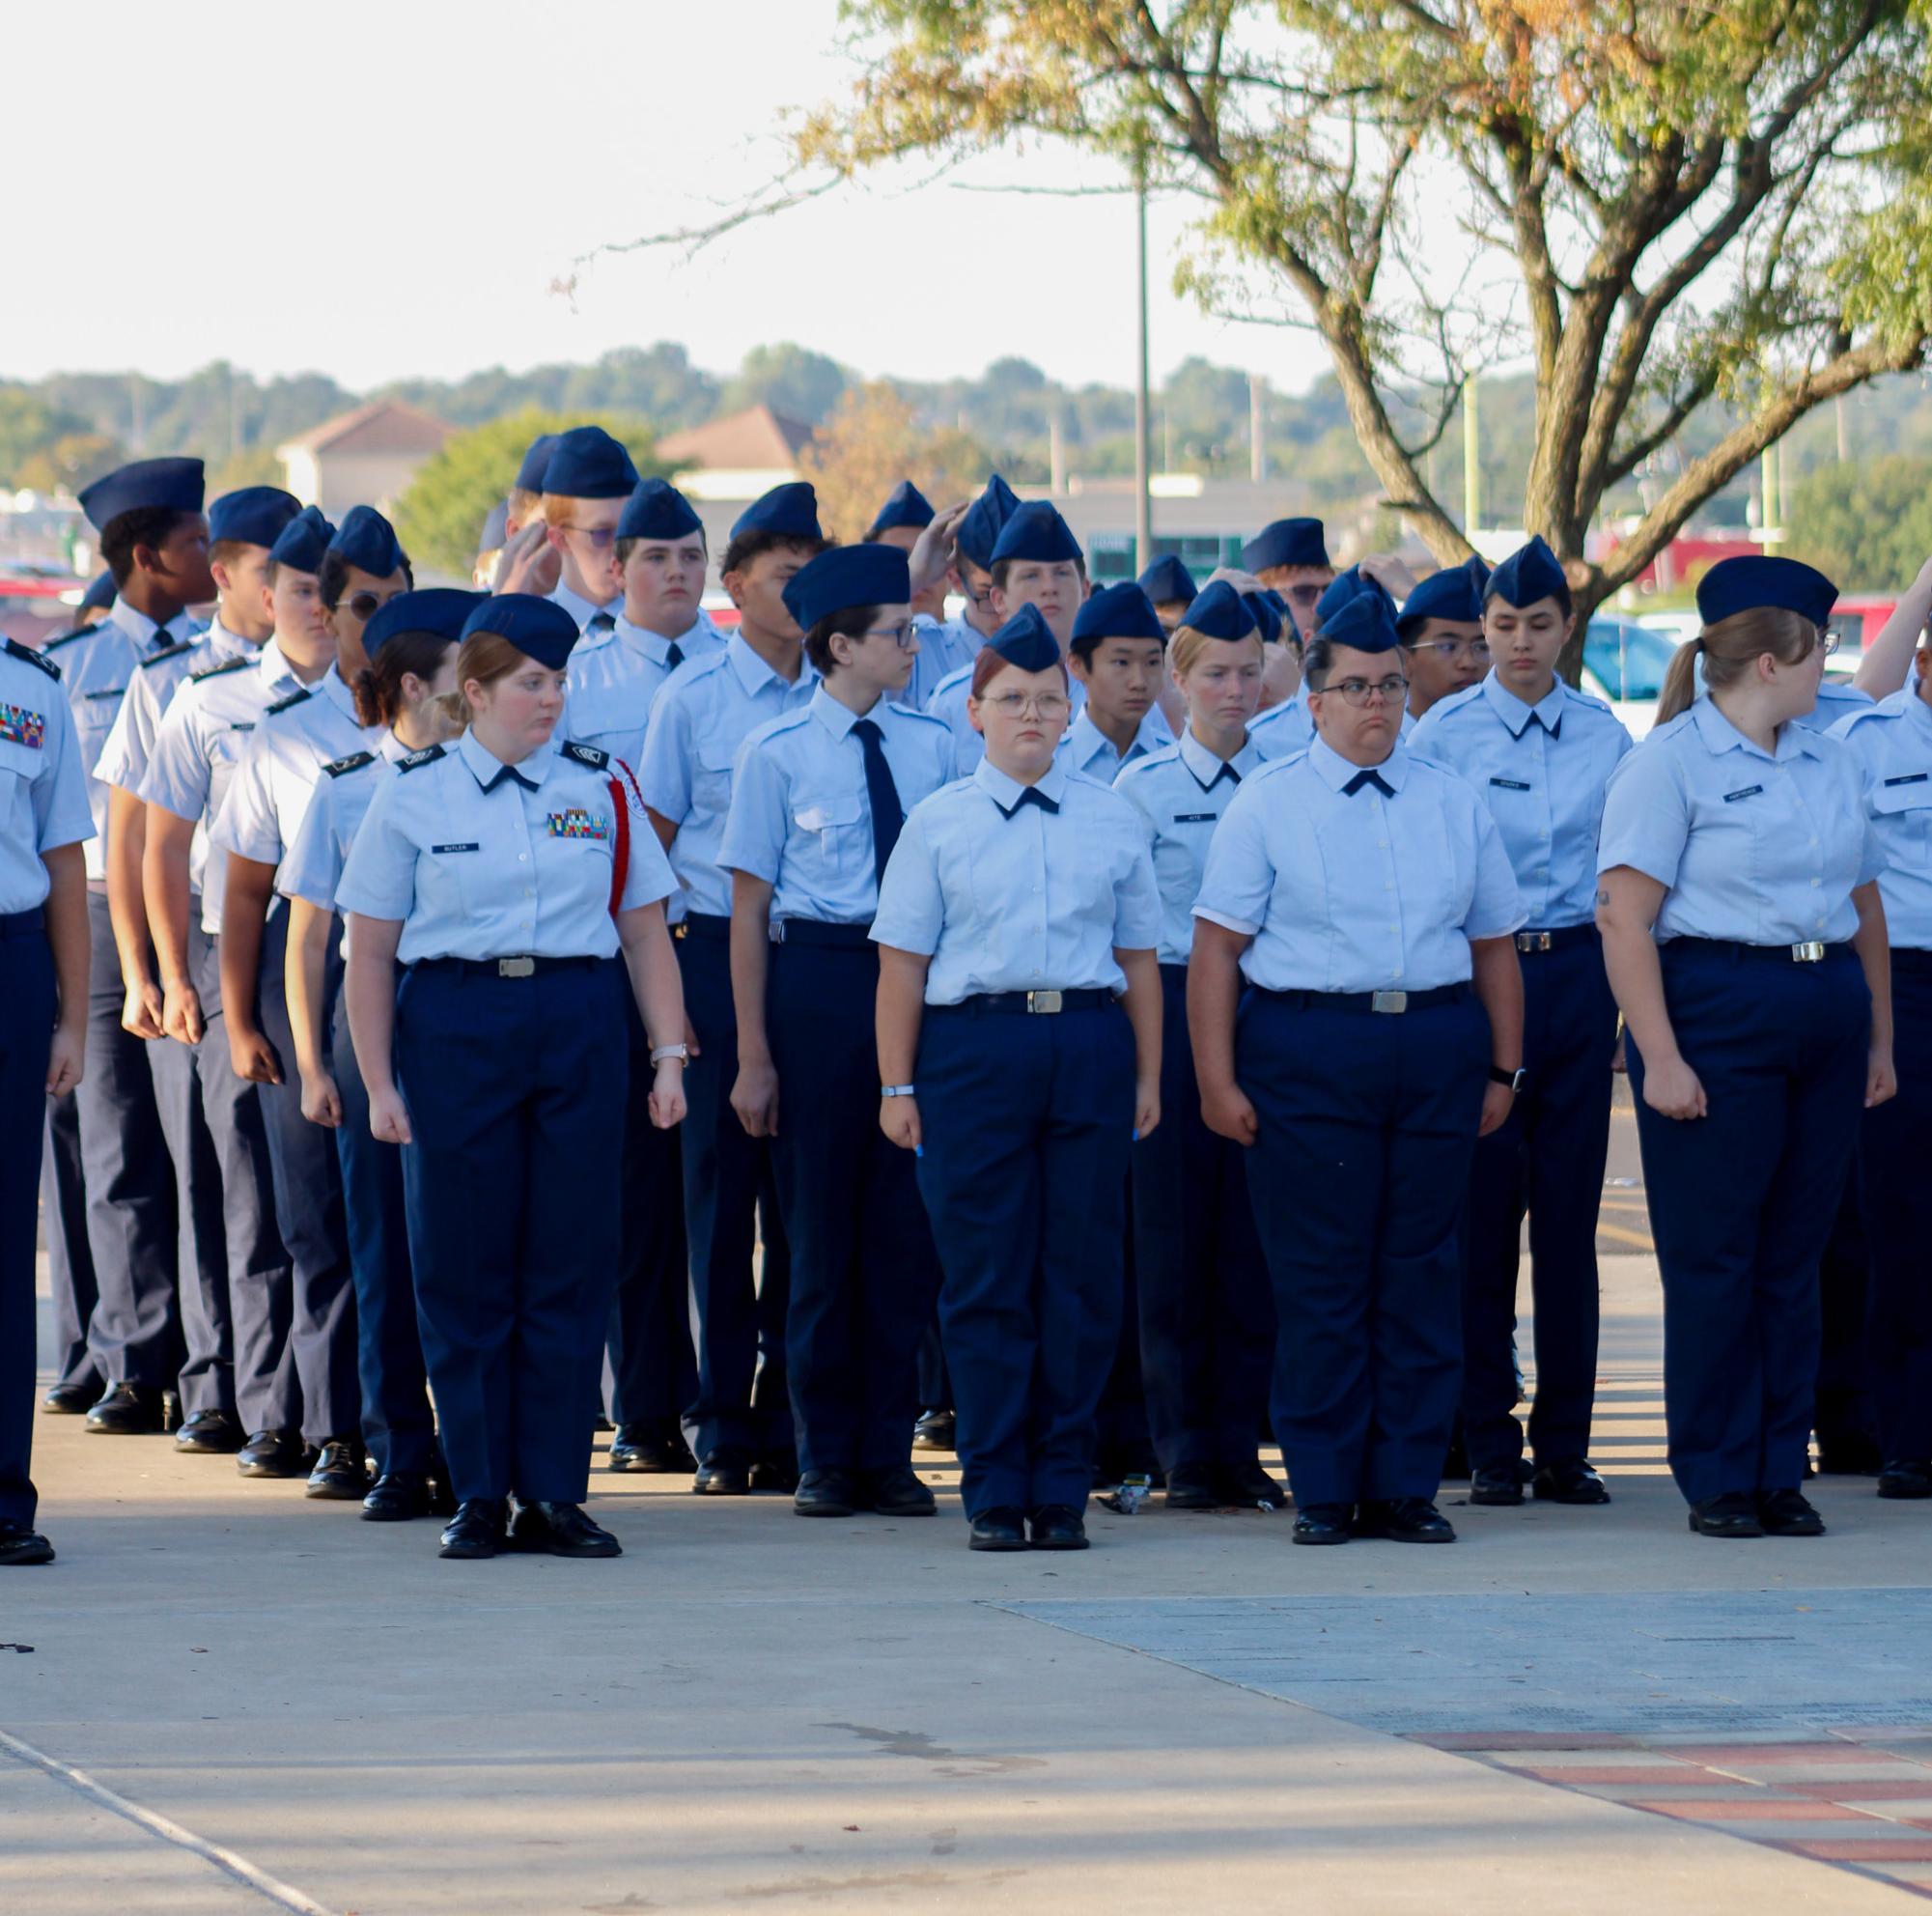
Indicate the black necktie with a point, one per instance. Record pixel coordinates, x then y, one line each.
601 622
881 795
504 772
674 656
1031 796
1374 778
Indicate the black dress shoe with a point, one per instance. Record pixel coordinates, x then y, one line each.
1056 1527
777 1472
1731 1515
1496 1484
128 1410
1786 1513
827 1493
637 1447
340 1472
274 1454
1456 1463
1324 1523
1903 1478
722 1475
1849 1453
1192 1487
71 1399
21 1544
397 1496
935 1430
443 1498
475 1531
1000 1529
1247 1484
898 1492
1570 1481
1404 1520
209 1433
560 1529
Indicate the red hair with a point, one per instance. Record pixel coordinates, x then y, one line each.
990 664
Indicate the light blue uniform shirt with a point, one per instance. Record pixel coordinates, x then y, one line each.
124 758
1084 747
944 648
949 703
615 679
1181 793
1893 742
1837 698
699 720
42 790
96 668
197 749
479 871
1751 847
800 818
581 609
1003 895
1542 770
1284 729
313 868
1356 891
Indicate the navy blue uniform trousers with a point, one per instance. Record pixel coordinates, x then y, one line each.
1547 1159
864 1272
738 1311
1027 1122
1367 1124
1844 1406
515 1089
1207 1315
1892 1158
26 1035
1742 1201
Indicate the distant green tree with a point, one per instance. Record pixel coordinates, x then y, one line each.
1868 525
789 380
30 425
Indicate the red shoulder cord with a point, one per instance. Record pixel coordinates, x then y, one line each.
621 803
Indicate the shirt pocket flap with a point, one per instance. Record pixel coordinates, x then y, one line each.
825 811
1913 795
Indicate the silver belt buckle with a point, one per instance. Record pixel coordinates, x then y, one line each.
1811 952
515 968
1043 1001
1388 1000
1532 940
775 931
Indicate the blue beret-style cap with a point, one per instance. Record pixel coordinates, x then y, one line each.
254 516
495 529
1529 572
1168 582
657 510
1477 568
1121 611
301 543
982 522
436 608
1028 640
531 473
786 512
167 485
537 628
1036 532
1286 541
905 505
1344 589
1220 611
587 463
367 541
1267 614
1451 593
99 595
1743 584
844 577
1365 624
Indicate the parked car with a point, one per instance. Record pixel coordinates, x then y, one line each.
1624 664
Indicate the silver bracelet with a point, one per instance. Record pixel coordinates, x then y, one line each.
663 1051
895 1091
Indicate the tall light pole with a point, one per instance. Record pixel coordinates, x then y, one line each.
1143 455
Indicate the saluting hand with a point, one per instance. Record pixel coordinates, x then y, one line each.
141 1010
931 551
1227 1114
389 1117
898 1119
1672 1088
530 563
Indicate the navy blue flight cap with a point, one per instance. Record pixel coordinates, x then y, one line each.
254 516
535 463
367 541
905 505
1036 532
1449 594
1267 615
436 608
1028 640
1220 611
495 529
1167 583
786 512
1477 568
587 463
1121 611
1365 624
844 577
1743 584
166 485
99 595
1529 572
657 510
537 628
982 522
1286 541
301 543
1344 589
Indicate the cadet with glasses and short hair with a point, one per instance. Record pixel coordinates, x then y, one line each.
1444 650
587 478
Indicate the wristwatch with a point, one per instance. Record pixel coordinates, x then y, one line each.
663 1051
1515 1080
896 1090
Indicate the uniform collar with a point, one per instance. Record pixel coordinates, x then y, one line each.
583 610
389 748
1515 714
1084 738
145 632
1719 735
484 764
838 718
1005 792
272 663
1206 767
1336 771
229 644
335 689
655 646
754 674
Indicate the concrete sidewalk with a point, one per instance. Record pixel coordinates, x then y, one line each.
749 1711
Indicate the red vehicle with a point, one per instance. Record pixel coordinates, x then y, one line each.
37 601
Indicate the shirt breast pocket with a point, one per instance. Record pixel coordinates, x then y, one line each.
1903 813
834 826
711 787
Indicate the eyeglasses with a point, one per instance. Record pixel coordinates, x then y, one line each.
901 636
1446 649
602 537
365 604
1305 595
1031 704
1359 692
1828 642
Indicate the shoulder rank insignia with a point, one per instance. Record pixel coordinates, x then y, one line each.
294 698
233 665
588 755
354 762
67 638
168 652
427 756
15 649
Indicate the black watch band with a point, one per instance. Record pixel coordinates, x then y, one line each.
1513 1079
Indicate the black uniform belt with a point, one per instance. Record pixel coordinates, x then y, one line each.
521 966
703 925
1556 941
1384 1002
1811 951
1909 958
1093 998
822 931
20 924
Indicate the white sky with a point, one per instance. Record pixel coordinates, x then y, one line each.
374 188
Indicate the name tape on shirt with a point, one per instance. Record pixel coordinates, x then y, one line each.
576 823
472 846
1510 784
1910 778
1747 792
20 727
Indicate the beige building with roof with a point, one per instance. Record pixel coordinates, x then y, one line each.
367 457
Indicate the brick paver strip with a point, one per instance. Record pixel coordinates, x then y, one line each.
1524 1739
1774 1808
1874 1850
1755 1755
1637 1776
1851 1790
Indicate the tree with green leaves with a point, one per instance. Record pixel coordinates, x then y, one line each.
1868 525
